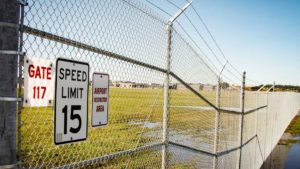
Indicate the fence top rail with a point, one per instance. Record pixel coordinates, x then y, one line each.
80 45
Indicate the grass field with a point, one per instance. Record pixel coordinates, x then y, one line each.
294 127
129 109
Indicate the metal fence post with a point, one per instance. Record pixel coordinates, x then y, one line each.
166 98
242 118
9 52
266 123
217 122
217 118
272 131
256 123
167 85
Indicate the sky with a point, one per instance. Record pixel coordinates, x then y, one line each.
259 37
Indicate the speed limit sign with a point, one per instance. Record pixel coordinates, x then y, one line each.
71 101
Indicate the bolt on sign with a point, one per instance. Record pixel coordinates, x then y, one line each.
38 82
71 101
100 99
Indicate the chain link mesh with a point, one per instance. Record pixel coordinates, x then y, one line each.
135 116
127 40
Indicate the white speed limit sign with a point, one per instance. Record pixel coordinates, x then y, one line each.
71 101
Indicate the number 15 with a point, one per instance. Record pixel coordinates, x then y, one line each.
73 117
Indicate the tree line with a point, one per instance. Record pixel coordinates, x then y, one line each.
278 88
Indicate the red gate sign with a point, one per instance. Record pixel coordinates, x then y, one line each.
38 82
100 99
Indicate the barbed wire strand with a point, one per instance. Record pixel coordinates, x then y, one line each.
189 36
216 43
237 75
199 34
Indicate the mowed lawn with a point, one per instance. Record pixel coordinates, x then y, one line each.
129 109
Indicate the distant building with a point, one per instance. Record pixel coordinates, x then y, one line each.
129 85
173 86
233 88
197 87
156 86
209 87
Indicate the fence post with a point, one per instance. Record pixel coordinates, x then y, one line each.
217 122
217 118
167 85
166 97
256 123
9 52
272 132
242 118
266 123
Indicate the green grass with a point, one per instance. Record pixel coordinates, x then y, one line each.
294 127
128 109
125 106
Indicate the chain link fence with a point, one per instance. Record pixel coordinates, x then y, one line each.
112 37
208 125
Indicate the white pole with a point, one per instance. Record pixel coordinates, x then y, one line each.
166 86
256 122
166 100
242 119
217 119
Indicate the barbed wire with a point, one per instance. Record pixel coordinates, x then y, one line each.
190 38
156 6
214 40
199 34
